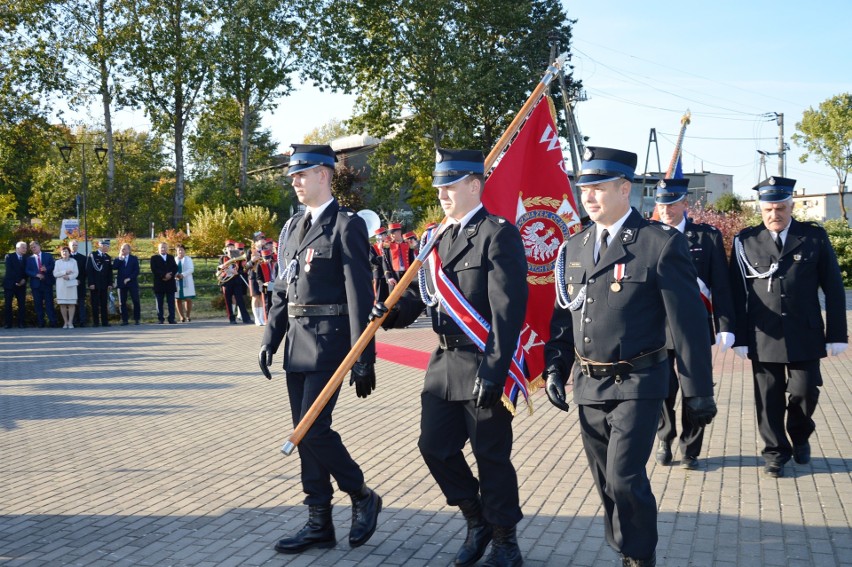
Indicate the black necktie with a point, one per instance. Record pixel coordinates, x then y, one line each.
604 236
778 244
306 226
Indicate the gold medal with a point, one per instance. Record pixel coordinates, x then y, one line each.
570 289
615 287
307 268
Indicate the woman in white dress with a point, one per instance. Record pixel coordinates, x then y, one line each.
186 285
65 271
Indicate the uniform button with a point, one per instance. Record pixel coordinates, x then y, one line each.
587 340
783 314
590 300
588 320
780 277
591 280
783 295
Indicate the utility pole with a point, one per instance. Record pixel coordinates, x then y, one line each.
782 147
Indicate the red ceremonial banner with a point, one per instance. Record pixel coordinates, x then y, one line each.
530 186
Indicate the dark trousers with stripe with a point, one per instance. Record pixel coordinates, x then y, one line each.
618 437
321 453
445 427
782 390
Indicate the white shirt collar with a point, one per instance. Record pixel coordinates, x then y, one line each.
317 211
613 229
783 233
681 225
466 219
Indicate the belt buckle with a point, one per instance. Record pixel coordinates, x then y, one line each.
585 368
442 342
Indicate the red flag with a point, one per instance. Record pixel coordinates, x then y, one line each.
530 186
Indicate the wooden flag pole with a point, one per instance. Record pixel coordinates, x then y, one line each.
372 328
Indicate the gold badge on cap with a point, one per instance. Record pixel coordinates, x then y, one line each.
588 154
662 184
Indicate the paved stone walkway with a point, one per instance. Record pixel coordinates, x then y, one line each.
159 445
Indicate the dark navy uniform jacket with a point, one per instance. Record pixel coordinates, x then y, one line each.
339 274
708 256
783 322
487 263
99 270
659 285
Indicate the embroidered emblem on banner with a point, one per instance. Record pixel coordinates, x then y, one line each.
544 226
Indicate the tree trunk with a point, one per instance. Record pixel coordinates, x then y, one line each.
841 190
245 110
180 123
106 98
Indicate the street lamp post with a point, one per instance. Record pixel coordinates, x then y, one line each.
100 153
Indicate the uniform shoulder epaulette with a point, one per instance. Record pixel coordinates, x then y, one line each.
705 226
497 219
748 230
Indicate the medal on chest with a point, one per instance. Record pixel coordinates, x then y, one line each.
618 275
309 256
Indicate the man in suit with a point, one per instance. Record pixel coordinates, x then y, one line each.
80 317
777 270
708 257
618 283
320 304
164 268
15 284
99 275
126 267
39 268
378 254
483 257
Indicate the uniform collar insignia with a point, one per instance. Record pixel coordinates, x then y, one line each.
627 235
586 238
690 234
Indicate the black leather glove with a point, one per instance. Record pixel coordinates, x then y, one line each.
264 359
378 311
486 393
555 387
700 410
364 377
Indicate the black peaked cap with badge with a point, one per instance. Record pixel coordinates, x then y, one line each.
775 189
671 191
451 166
606 164
309 156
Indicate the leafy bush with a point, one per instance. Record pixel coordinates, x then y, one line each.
26 233
840 236
210 229
729 224
171 237
253 218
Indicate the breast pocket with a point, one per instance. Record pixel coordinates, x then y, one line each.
621 293
468 271
575 278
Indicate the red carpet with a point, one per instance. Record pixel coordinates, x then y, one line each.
402 355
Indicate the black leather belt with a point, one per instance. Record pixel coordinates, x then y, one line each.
595 369
454 341
296 310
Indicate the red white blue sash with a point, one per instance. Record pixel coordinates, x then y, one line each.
706 295
477 329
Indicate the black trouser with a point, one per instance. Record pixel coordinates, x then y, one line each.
169 297
132 289
445 427
691 436
785 388
321 453
100 303
19 293
618 437
80 316
236 293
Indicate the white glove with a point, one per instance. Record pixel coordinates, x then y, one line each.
834 349
725 340
741 351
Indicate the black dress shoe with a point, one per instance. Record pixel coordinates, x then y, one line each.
689 463
773 470
137 322
8 326
124 323
366 506
664 453
802 453
318 532
479 534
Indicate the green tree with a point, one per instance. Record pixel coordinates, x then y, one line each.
253 62
215 152
324 134
171 50
427 72
826 135
728 203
